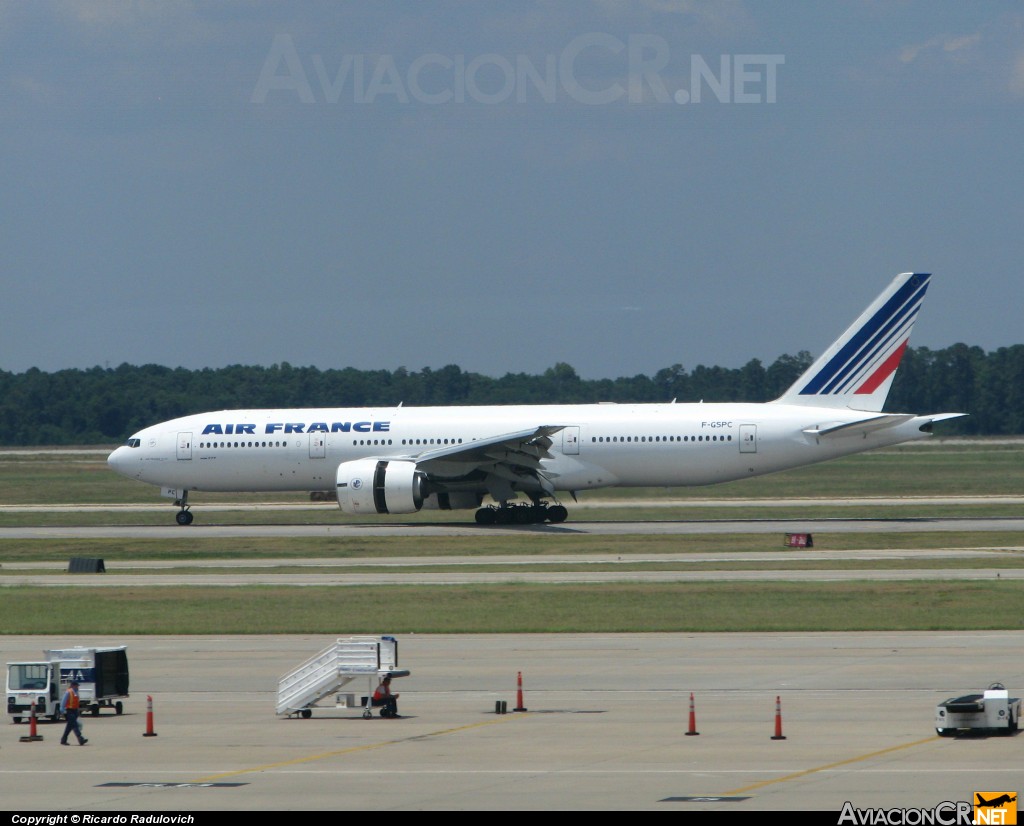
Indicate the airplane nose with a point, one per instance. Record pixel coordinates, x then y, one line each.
118 461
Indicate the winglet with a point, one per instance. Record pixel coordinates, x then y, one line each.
857 370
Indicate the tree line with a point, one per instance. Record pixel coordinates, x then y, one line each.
105 405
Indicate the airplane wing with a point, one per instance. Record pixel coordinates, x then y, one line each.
510 457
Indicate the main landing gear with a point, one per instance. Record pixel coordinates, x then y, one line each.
184 516
522 514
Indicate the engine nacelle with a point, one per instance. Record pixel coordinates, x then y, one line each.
380 486
455 500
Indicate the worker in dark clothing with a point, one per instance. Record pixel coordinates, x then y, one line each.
382 696
69 708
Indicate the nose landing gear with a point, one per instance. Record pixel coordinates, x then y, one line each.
184 516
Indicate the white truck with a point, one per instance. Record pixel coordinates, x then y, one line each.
102 675
993 710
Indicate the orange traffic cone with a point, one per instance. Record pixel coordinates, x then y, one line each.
149 718
519 692
33 734
693 720
778 719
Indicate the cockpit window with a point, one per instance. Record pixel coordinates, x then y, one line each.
134 442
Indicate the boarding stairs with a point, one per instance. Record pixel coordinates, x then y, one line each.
345 660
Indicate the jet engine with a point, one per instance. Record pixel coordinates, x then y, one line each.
380 486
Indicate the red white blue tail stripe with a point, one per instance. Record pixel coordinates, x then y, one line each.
862 363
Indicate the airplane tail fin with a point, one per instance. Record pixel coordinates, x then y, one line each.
857 370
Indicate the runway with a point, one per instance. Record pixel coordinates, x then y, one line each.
397 528
605 727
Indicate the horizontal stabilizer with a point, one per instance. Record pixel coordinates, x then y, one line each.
941 417
871 424
867 425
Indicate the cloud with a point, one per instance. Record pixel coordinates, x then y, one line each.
998 67
954 47
955 44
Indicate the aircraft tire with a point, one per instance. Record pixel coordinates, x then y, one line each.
557 513
523 516
485 516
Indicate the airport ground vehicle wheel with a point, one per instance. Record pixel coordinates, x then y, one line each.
367 714
946 732
118 707
94 711
16 720
307 713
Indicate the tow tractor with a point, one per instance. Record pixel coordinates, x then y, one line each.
101 672
994 710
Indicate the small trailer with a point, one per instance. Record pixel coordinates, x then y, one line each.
101 673
994 710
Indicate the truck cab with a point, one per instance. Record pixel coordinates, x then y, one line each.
33 682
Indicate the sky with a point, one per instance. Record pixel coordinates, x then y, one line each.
620 185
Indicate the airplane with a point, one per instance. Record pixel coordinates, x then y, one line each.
995 802
398 460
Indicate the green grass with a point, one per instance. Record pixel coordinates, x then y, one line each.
608 608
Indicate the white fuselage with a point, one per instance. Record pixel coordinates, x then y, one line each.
599 445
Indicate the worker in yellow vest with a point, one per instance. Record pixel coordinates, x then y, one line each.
69 707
